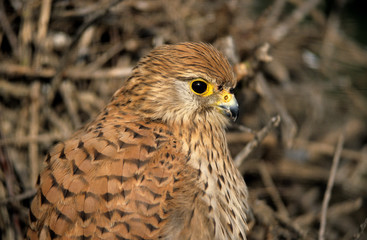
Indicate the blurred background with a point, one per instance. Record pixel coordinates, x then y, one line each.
304 60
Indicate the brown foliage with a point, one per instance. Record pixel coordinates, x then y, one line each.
60 62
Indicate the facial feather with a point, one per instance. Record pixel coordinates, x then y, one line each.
160 83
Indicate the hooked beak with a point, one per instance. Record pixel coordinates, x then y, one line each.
228 105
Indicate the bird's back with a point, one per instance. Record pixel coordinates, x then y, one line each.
110 181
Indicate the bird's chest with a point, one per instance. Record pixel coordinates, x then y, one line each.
212 202
223 196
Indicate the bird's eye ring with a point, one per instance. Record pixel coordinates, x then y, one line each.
201 87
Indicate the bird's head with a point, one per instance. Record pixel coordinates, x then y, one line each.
183 83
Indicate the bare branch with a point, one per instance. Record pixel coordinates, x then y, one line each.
329 187
243 154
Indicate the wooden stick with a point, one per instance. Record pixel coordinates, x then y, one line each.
312 147
93 18
275 12
33 131
6 26
19 197
329 187
328 149
243 154
74 73
272 190
25 32
297 15
26 140
335 211
8 88
63 126
289 126
68 95
106 56
43 22
362 228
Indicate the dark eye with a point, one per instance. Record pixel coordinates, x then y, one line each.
199 86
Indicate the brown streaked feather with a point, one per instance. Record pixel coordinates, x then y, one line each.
152 165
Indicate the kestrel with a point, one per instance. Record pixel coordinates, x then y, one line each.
155 163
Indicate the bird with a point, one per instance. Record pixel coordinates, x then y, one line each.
154 163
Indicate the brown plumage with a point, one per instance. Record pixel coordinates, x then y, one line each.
155 163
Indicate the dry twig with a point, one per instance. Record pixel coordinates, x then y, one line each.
68 94
43 21
319 148
33 132
335 211
6 26
93 18
289 127
19 197
274 122
17 90
298 14
272 190
74 73
329 187
362 228
56 46
45 138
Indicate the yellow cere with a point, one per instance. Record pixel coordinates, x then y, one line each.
227 97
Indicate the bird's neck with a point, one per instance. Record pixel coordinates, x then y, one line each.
206 145
219 184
